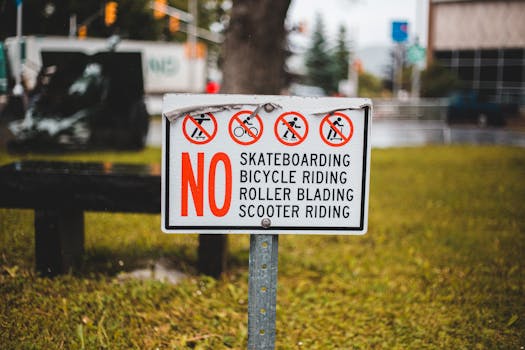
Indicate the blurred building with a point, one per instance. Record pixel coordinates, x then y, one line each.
483 42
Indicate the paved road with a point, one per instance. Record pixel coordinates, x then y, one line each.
417 133
154 138
399 133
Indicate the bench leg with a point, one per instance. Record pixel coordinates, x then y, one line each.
213 252
59 241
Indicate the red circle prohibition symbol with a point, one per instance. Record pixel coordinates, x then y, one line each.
244 132
340 130
198 134
291 128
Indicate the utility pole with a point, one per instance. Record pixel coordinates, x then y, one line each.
188 18
415 87
416 81
191 29
73 26
397 79
18 89
192 40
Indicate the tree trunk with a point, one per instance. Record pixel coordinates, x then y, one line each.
254 46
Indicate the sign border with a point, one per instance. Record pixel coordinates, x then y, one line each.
259 229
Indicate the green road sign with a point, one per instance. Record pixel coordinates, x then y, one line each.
416 54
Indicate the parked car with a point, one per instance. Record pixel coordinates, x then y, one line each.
469 107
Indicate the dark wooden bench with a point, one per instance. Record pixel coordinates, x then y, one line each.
60 192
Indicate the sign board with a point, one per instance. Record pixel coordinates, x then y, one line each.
265 164
400 31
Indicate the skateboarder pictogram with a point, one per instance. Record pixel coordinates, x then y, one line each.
198 133
336 129
291 128
245 128
199 129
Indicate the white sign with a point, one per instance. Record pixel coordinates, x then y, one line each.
165 66
261 164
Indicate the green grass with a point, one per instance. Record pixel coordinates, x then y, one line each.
442 267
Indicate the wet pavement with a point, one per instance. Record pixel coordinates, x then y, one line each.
402 133
154 138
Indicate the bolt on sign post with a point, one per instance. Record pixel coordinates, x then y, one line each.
265 165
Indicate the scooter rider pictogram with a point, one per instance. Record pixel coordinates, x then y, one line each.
336 127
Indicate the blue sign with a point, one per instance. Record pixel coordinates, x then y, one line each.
400 31
18 2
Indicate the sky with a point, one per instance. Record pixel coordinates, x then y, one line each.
368 22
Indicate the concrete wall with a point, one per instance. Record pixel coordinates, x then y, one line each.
463 25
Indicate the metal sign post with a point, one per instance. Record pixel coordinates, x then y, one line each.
262 291
399 36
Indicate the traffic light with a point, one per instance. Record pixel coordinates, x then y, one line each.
82 32
110 13
159 4
195 50
174 24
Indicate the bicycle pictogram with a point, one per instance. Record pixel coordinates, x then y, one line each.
245 128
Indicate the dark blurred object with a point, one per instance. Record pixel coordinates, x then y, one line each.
83 101
3 70
11 105
469 107
60 193
438 81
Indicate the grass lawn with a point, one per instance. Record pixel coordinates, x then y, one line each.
442 267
